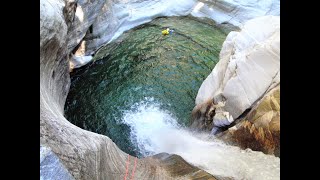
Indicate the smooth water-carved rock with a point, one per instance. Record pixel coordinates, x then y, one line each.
249 66
85 13
118 16
260 128
235 12
99 22
84 154
63 25
177 167
78 56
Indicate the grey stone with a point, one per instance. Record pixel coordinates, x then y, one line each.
50 166
249 66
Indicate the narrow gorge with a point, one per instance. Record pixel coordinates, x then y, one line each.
119 100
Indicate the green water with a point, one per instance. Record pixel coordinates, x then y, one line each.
140 64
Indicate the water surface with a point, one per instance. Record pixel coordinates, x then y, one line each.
140 64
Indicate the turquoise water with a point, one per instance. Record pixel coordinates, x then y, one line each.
143 65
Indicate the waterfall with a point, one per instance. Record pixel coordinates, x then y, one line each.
154 130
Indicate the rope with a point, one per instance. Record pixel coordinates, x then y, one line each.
127 168
125 177
134 168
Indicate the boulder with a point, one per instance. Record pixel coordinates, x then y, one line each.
249 66
260 128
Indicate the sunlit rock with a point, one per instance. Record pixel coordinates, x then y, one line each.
249 66
100 21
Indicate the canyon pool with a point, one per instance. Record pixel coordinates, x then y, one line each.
140 91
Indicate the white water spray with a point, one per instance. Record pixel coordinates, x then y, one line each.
154 131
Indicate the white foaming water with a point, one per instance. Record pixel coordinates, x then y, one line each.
154 131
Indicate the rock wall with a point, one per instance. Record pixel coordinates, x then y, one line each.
235 12
245 86
249 66
98 22
259 130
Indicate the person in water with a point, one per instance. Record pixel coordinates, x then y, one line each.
167 31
